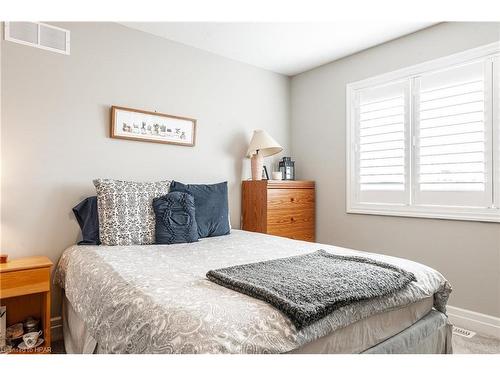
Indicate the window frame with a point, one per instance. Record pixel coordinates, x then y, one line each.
489 214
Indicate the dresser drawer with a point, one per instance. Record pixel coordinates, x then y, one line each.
296 199
301 232
23 282
296 224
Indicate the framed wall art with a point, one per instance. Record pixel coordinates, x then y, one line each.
138 125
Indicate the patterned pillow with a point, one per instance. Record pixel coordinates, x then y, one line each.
175 218
125 209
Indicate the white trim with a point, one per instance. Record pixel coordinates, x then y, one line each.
353 205
429 66
56 327
483 324
496 131
350 165
412 211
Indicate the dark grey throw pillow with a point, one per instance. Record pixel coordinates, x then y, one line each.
88 220
211 207
175 219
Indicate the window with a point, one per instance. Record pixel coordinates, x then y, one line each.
424 141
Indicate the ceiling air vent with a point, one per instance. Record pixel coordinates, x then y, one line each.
39 35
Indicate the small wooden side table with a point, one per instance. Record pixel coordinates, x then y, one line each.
25 291
281 208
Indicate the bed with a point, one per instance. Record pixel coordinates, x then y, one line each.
156 299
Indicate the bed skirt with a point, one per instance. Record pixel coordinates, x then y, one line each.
429 335
77 339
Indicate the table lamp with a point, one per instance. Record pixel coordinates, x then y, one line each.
261 145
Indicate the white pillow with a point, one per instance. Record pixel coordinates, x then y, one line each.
126 215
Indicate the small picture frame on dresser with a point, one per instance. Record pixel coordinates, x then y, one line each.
265 175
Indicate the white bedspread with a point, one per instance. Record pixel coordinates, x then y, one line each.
156 299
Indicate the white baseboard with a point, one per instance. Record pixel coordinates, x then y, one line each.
56 332
483 324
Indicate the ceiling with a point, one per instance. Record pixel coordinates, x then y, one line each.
286 48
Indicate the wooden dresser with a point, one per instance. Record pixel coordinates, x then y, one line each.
281 208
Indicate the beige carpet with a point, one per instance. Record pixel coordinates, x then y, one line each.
475 345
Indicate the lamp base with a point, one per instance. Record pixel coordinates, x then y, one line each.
257 161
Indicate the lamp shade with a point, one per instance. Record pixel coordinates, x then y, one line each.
264 143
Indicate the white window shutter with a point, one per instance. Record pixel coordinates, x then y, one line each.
381 126
424 141
453 125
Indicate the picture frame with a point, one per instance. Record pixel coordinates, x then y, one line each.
265 175
146 126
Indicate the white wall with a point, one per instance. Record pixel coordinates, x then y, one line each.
467 253
55 125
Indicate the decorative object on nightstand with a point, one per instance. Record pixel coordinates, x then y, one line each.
4 258
261 145
30 325
15 334
265 175
25 292
281 208
287 168
277 175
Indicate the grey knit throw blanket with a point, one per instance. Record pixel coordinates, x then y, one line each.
308 287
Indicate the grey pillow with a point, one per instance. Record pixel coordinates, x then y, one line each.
125 209
211 207
175 219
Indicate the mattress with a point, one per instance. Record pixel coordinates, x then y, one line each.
156 299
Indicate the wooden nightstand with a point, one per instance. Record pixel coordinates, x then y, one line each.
25 291
281 208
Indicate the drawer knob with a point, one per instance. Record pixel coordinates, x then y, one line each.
292 219
292 199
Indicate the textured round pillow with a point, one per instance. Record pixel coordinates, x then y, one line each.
175 218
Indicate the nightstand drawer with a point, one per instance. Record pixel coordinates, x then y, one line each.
288 217
280 208
295 199
303 232
17 283
297 225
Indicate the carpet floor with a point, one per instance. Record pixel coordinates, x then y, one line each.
475 345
